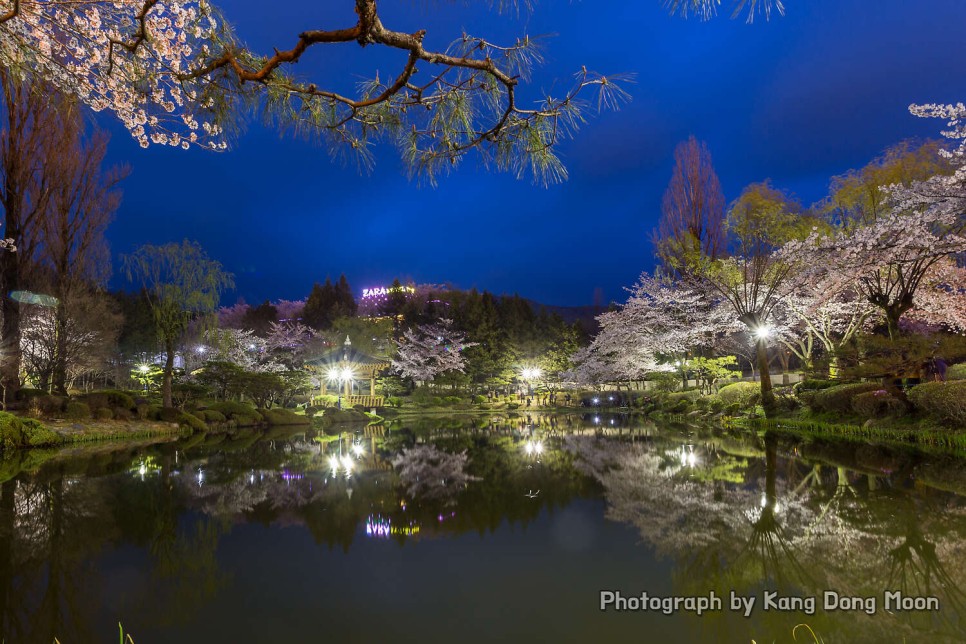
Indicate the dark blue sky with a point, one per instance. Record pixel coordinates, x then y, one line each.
796 99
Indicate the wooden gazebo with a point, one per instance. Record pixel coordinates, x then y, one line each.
361 366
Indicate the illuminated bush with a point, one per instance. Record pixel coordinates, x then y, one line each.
944 401
838 399
877 404
744 394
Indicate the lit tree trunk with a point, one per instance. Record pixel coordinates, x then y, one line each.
168 371
767 396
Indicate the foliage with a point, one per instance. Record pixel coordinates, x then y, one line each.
815 385
744 394
103 413
77 411
182 285
956 372
906 356
878 404
692 211
108 398
838 399
430 350
944 401
328 302
16 432
283 417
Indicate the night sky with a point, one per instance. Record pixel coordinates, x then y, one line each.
797 99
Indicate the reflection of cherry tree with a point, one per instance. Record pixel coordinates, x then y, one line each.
430 474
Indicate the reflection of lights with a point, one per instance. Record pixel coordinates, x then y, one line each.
201 477
596 401
611 421
334 464
533 448
405 530
610 398
144 466
597 420
688 457
251 479
357 449
291 476
444 517
376 526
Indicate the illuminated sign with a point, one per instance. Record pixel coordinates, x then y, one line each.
386 290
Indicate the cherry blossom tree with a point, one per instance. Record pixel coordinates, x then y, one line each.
660 322
429 350
175 73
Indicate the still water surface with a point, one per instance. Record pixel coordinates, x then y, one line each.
440 531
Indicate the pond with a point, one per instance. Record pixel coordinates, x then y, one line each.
532 528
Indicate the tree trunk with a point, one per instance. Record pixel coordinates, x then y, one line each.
59 376
767 396
168 372
10 328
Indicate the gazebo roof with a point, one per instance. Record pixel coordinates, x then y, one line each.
349 355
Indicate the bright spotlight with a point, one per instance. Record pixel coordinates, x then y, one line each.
762 332
347 374
333 374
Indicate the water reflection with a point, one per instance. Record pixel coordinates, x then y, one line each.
151 534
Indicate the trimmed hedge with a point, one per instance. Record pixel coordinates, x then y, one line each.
943 401
878 404
103 413
213 416
283 417
744 394
956 372
838 399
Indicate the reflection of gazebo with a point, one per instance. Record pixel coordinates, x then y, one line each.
360 365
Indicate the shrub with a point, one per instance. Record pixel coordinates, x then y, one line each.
327 400
394 401
26 394
143 410
734 409
51 405
513 405
213 416
815 385
716 405
283 417
122 413
154 412
24 432
231 409
838 399
108 398
103 413
436 401
313 410
78 411
956 372
877 404
453 400
943 401
190 420
169 415
479 400
744 394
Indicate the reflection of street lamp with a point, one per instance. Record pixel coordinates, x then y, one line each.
341 376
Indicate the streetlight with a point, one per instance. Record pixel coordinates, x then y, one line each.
763 332
529 374
341 376
144 369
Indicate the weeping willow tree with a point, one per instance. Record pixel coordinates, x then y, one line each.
183 285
